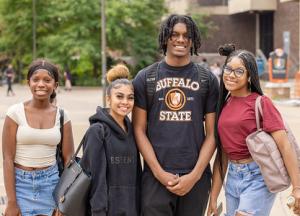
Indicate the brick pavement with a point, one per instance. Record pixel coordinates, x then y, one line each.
81 103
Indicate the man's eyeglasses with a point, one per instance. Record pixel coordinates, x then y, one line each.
176 36
239 72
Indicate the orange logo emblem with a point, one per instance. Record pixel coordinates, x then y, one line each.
175 99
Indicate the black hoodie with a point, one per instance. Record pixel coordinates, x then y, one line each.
113 161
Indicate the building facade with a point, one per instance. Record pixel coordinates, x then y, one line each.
256 25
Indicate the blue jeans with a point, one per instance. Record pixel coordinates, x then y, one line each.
34 190
246 191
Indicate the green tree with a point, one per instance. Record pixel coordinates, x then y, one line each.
16 34
68 32
134 28
71 36
205 25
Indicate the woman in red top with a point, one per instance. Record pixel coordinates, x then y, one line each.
245 190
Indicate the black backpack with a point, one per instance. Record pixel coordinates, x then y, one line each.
151 77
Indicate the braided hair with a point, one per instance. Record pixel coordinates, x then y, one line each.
166 29
249 62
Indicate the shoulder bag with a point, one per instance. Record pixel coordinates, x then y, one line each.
71 192
266 154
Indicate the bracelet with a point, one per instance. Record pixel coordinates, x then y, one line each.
296 187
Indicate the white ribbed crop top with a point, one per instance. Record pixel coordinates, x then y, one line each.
35 147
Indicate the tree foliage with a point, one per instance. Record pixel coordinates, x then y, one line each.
68 31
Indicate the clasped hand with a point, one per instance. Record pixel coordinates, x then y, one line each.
179 185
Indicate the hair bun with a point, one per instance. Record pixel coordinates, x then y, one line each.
119 71
226 49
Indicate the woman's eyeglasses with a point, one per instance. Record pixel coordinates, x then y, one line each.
238 72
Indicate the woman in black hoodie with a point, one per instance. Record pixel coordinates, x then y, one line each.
110 154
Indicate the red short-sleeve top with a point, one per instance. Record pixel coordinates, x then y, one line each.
237 121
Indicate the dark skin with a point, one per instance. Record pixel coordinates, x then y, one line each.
40 114
178 54
238 87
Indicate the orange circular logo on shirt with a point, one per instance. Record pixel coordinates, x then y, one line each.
175 99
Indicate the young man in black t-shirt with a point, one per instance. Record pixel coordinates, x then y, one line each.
170 133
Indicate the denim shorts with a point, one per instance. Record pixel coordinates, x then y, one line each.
34 190
246 191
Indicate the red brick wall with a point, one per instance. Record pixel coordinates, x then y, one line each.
238 29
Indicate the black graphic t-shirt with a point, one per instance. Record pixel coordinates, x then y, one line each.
175 122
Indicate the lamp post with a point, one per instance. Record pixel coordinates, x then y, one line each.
33 29
103 50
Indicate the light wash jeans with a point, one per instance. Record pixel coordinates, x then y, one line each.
246 191
34 190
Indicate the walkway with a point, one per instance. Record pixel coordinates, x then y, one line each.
82 102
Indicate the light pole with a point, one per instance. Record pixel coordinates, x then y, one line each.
103 50
33 29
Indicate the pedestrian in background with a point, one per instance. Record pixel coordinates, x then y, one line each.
204 63
30 136
175 129
216 70
110 154
246 192
10 75
68 78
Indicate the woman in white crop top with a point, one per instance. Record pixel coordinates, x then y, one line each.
30 136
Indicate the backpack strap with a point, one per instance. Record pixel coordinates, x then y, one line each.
61 122
84 139
203 73
151 77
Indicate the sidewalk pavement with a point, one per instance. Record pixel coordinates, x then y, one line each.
81 103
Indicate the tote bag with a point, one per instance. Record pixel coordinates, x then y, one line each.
266 154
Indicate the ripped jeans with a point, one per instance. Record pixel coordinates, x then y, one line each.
246 192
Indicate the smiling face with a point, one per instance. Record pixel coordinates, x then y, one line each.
42 84
121 100
179 43
235 77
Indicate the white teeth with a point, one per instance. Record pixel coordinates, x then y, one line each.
181 47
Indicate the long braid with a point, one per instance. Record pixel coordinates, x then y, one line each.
167 28
251 66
